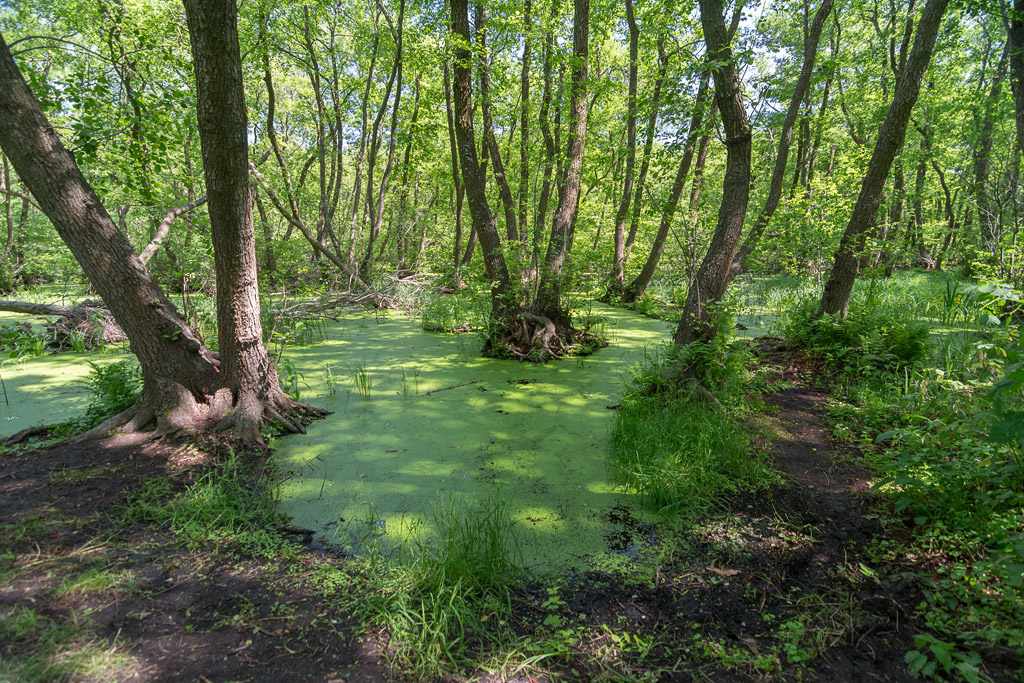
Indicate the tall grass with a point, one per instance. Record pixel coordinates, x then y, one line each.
446 599
673 447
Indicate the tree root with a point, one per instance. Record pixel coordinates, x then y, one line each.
538 338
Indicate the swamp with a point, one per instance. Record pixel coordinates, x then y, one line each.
534 341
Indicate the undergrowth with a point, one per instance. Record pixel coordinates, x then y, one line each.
939 416
673 445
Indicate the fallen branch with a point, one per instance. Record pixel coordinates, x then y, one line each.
454 386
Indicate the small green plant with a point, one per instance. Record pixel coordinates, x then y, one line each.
222 506
362 381
290 377
20 340
445 597
112 388
330 380
933 657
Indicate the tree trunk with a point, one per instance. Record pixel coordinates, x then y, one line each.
616 283
550 147
645 161
639 284
524 120
472 176
696 323
549 293
836 297
178 371
1015 40
460 191
248 395
498 166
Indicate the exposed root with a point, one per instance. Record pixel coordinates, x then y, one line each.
538 338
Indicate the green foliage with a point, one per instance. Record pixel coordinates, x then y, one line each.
223 506
445 599
112 388
20 340
868 341
674 448
459 312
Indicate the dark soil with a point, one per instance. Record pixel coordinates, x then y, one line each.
779 584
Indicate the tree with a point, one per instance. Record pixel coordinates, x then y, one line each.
248 394
520 327
186 386
836 297
785 138
708 286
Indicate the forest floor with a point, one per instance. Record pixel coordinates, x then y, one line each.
789 582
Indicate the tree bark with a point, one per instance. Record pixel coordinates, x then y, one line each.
616 283
178 371
835 299
248 394
707 288
472 176
549 294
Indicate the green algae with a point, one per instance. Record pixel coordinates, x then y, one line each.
441 422
47 389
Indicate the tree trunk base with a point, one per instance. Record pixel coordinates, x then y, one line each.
539 338
230 420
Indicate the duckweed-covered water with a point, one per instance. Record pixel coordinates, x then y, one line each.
440 425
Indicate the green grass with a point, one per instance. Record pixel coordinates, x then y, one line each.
35 647
678 453
223 507
674 447
447 598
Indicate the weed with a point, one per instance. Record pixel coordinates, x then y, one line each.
362 380
220 507
677 451
34 647
445 600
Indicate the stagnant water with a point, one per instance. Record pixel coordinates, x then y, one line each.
422 422
443 426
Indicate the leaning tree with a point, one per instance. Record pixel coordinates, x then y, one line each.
185 385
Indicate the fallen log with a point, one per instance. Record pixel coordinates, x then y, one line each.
90 320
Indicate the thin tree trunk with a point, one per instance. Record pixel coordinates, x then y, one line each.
524 120
549 293
483 220
498 166
645 161
550 147
453 149
616 282
785 137
639 284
